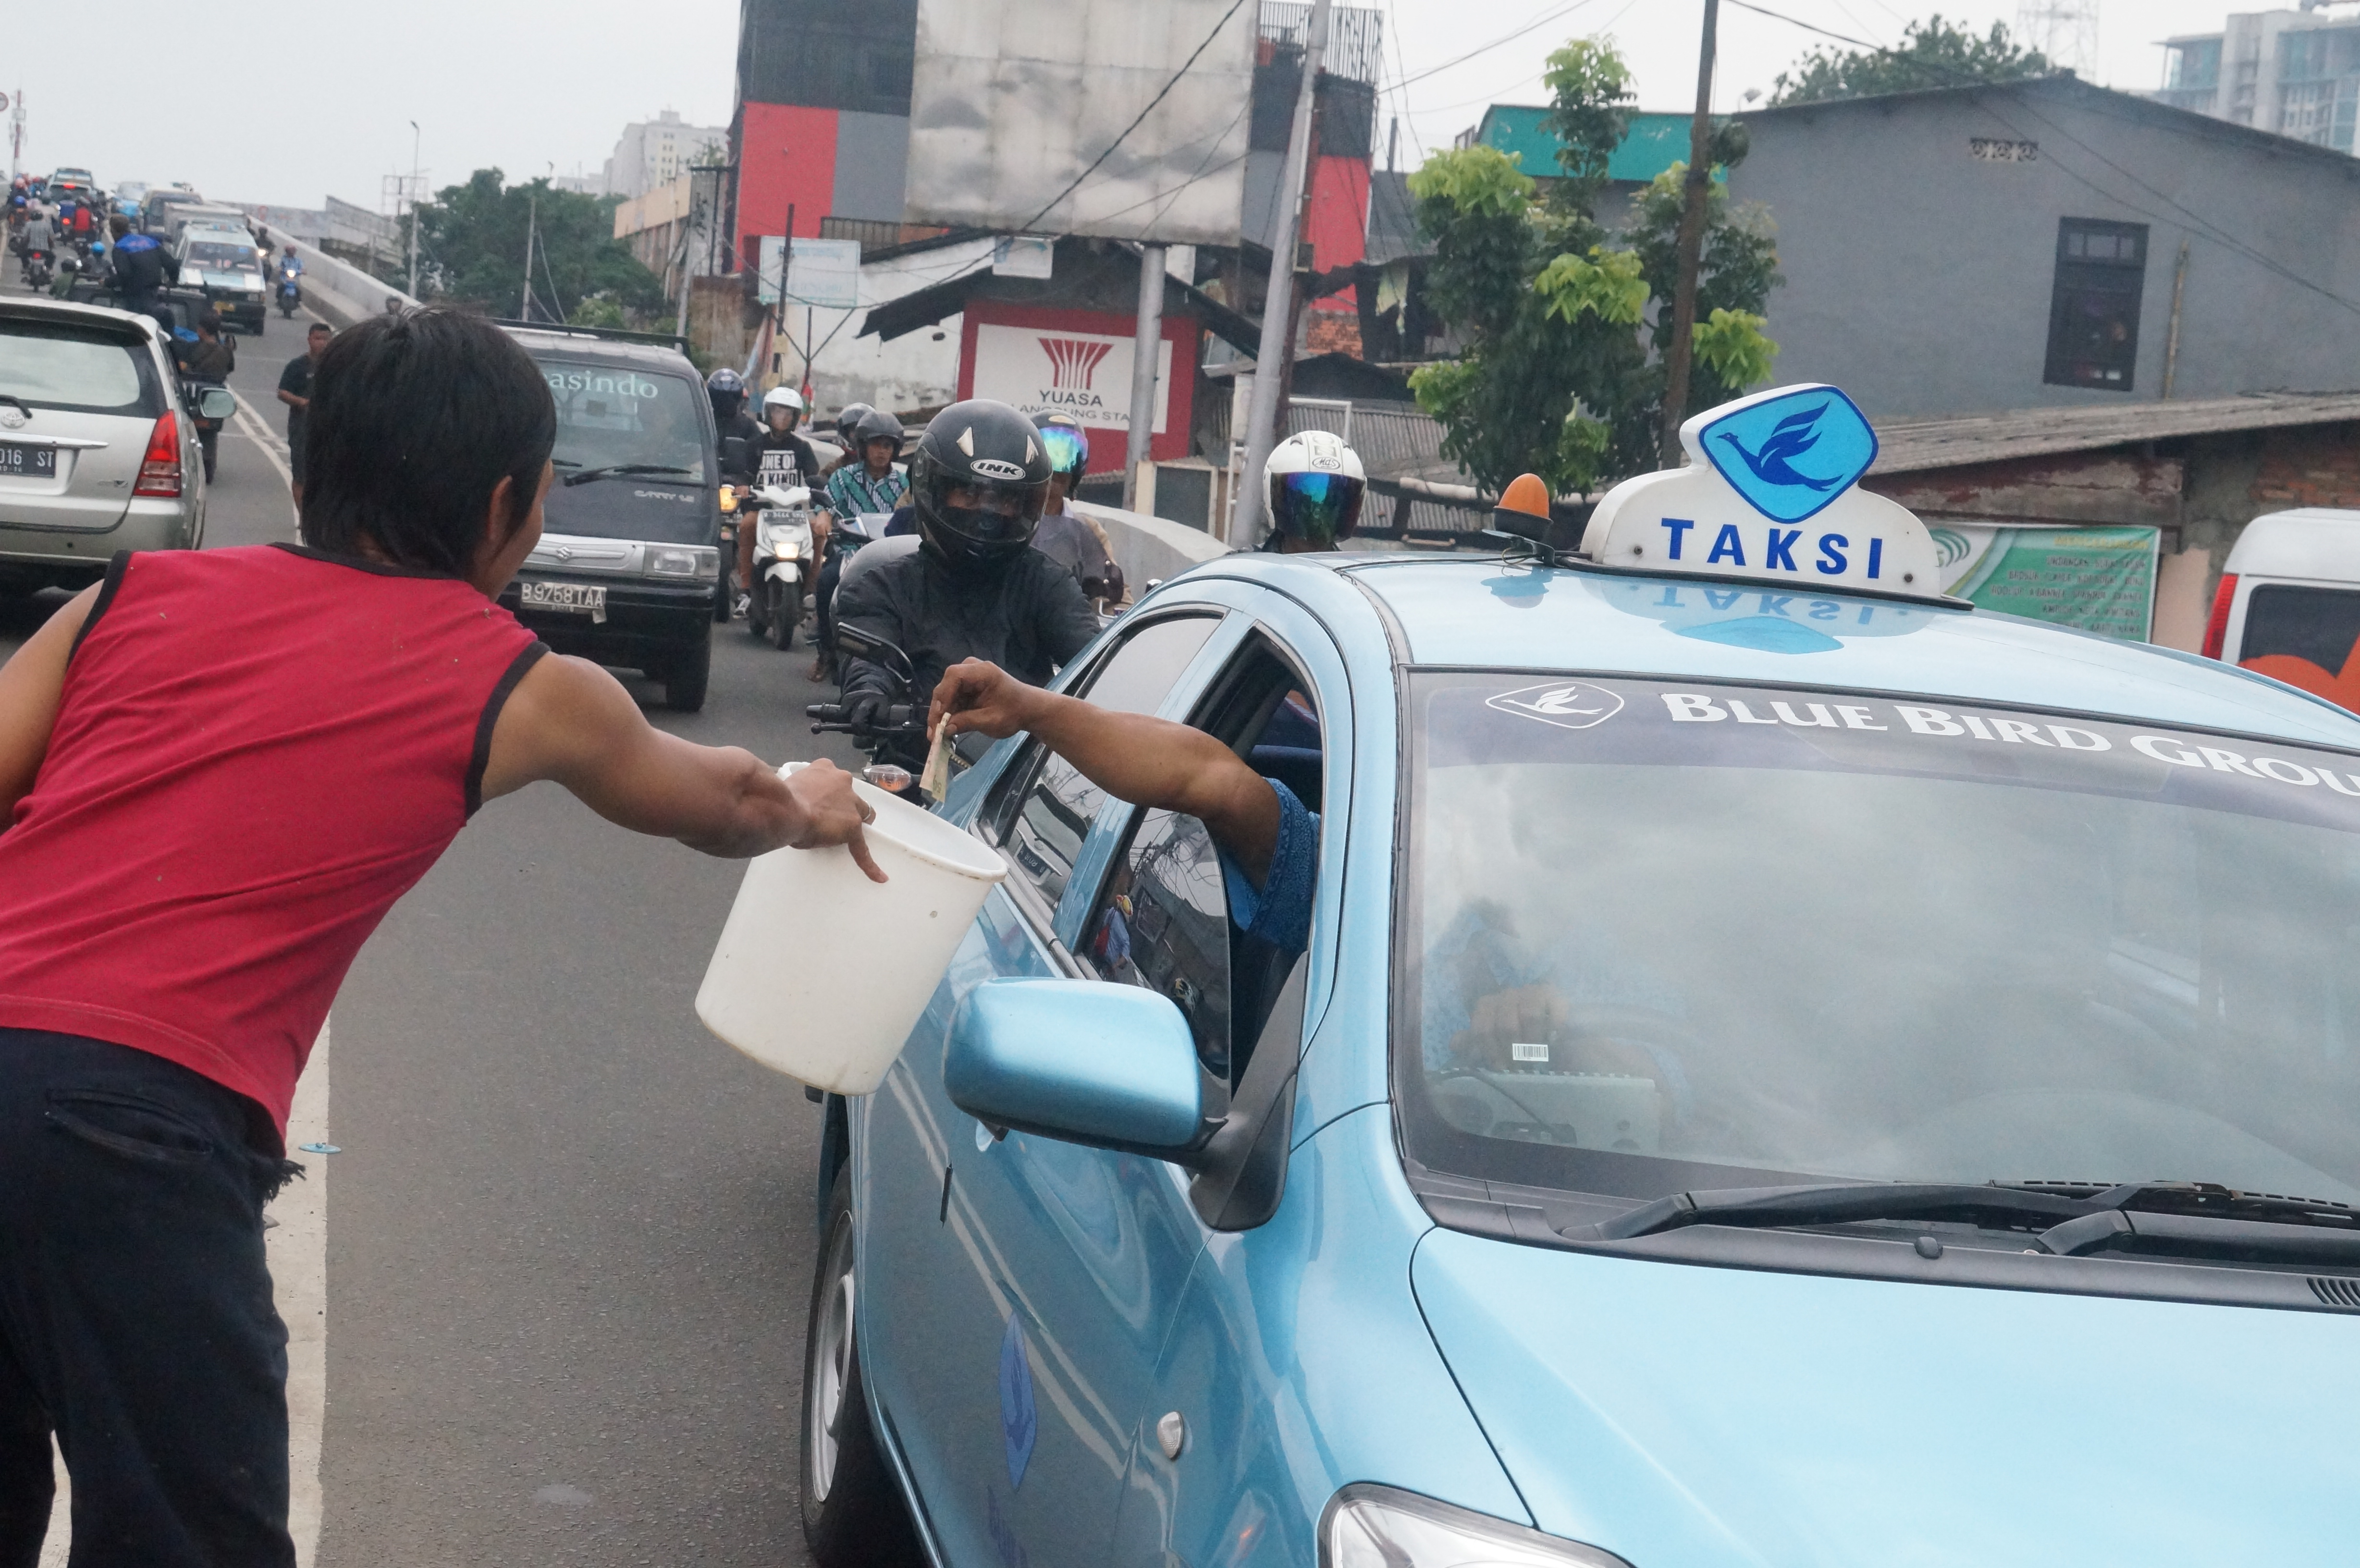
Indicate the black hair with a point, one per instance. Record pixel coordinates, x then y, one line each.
414 421
319 327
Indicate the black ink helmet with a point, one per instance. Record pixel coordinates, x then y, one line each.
978 484
726 388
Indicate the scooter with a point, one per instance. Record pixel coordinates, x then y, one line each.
39 268
291 293
782 522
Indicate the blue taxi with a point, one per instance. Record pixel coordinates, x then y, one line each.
1788 1069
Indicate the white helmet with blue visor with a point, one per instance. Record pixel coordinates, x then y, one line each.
1314 485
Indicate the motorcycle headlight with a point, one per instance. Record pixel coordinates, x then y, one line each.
682 561
1378 1527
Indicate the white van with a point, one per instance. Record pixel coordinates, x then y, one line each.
2289 604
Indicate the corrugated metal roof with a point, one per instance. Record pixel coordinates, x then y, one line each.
1908 446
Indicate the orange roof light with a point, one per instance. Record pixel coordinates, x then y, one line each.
1528 494
1525 509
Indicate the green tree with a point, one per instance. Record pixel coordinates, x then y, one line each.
1933 53
1562 322
474 237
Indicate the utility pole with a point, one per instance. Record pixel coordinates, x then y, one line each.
413 209
1278 306
532 222
1696 191
1138 451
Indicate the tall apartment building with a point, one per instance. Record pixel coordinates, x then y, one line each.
654 153
2294 72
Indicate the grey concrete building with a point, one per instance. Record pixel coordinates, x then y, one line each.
2052 244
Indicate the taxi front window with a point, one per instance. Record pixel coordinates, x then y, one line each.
1662 938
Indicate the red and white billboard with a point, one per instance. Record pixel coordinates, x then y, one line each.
1043 361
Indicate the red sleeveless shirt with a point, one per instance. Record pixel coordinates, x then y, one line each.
258 751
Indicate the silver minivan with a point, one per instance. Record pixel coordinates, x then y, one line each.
97 451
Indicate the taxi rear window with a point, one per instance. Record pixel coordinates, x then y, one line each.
1657 938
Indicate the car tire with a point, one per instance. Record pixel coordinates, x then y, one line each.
783 603
853 1510
685 679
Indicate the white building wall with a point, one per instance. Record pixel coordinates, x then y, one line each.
653 153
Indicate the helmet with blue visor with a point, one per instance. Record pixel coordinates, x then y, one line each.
1312 485
1067 446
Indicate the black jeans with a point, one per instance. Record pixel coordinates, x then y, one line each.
136 1314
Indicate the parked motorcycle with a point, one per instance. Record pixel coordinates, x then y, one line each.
782 520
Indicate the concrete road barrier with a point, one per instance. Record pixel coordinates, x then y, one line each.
335 289
1151 550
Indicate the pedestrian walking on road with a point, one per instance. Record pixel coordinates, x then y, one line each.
295 391
218 771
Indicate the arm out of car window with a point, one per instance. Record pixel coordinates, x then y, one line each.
1147 761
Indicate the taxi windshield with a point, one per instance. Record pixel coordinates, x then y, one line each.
1662 938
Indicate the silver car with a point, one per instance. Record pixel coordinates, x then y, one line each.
98 453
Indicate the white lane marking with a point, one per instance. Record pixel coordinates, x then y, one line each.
299 1277
274 446
298 1250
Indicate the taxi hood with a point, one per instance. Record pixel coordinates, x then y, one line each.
1698 1416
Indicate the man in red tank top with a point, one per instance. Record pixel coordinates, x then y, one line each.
218 771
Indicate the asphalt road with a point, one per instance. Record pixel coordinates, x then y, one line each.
569 1237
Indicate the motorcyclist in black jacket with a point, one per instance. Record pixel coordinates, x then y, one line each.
974 588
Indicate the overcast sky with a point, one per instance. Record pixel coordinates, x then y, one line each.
290 114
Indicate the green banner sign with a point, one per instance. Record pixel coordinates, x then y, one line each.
2101 580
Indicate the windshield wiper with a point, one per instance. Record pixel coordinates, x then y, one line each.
2168 1215
616 468
1836 1202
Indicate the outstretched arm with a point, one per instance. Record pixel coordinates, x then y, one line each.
570 722
1147 761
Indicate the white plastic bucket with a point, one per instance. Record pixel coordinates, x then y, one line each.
820 972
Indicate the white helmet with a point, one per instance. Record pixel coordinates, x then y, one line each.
1312 485
782 398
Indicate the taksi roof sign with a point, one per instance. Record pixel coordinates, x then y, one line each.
1771 494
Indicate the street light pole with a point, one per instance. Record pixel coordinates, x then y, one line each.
1278 304
413 209
1697 192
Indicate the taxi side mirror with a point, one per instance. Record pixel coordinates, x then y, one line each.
1085 1061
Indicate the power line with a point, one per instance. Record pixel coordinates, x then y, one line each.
1151 103
1486 48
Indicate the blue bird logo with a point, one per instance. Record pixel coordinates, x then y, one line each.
1792 436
